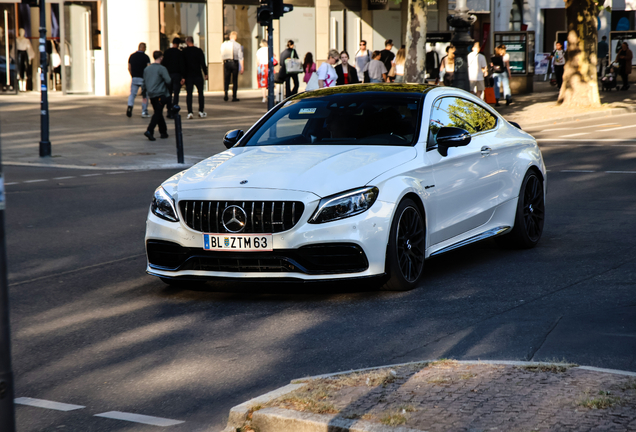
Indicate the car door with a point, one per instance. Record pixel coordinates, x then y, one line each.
466 180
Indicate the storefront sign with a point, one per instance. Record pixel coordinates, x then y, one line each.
378 4
517 52
438 37
541 63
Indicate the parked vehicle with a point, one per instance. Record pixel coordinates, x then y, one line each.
350 182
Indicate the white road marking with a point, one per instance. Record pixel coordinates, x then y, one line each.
588 140
622 127
620 172
117 172
41 403
35 181
577 127
578 171
12 183
139 418
63 178
576 134
90 175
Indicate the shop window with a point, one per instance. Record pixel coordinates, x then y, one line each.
182 19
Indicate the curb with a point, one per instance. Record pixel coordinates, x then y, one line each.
282 420
590 115
100 168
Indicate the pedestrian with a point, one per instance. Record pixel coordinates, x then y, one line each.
624 58
558 61
447 66
363 57
398 64
376 69
327 75
601 54
501 74
309 67
196 70
347 74
157 84
477 70
262 70
386 55
432 64
175 63
232 56
137 62
289 53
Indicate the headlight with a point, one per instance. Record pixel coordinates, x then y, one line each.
345 204
163 205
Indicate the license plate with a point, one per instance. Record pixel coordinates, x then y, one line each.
238 242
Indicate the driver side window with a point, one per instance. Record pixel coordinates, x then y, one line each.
457 112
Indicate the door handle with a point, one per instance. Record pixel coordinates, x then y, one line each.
485 151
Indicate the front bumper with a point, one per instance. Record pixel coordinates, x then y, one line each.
347 248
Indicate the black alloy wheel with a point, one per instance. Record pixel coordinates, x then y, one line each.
406 250
530 216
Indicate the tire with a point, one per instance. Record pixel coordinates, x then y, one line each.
530 215
406 250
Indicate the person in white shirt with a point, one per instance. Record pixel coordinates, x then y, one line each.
362 57
232 56
477 70
327 75
262 59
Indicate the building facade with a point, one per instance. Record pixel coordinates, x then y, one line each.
90 41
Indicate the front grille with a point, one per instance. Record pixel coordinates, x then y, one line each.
262 216
315 259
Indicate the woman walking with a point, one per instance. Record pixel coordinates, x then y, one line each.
500 64
347 74
262 59
363 57
327 75
447 66
398 64
309 67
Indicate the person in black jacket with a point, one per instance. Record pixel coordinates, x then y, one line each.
173 61
347 74
194 64
290 52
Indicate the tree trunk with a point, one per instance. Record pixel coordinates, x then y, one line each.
580 82
415 66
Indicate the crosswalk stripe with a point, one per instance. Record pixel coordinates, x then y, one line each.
139 418
41 403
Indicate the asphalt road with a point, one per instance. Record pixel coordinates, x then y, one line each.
90 328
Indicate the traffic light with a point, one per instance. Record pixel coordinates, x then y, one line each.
264 13
279 8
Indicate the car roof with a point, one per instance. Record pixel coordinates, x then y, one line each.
367 88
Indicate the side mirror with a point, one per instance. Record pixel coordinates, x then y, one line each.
515 124
449 136
232 137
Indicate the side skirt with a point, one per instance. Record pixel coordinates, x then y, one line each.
486 234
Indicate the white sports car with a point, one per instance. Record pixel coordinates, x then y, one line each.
350 182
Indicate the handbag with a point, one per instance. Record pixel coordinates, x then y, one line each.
392 71
293 65
489 95
313 82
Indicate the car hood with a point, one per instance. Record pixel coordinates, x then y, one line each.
322 170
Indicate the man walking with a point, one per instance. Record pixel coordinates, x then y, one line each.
477 70
386 55
156 83
137 62
558 57
290 52
194 66
624 57
173 61
232 56
601 52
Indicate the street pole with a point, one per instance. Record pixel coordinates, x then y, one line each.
462 22
270 65
7 413
45 144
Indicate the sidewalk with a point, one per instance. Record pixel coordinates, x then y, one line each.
92 132
448 395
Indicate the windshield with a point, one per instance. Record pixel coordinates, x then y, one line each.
370 118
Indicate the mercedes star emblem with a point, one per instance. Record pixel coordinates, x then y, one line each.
234 219
243 181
